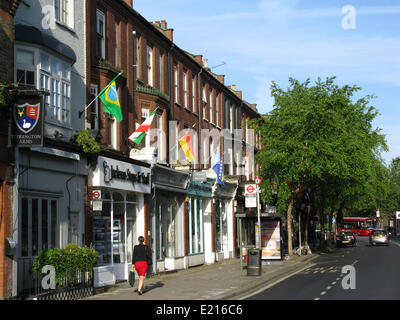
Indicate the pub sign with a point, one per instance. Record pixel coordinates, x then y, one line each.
28 118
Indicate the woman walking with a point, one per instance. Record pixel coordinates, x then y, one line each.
141 257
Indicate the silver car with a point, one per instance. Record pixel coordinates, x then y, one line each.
379 237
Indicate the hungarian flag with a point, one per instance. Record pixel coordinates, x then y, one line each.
187 147
109 97
140 132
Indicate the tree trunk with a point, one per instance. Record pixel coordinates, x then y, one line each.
334 229
322 233
289 225
307 223
330 229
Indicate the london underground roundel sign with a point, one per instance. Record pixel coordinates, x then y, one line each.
250 190
257 181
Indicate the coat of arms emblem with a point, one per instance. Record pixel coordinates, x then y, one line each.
27 116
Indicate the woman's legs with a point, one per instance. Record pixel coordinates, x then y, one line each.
141 280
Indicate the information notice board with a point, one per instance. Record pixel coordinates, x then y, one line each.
271 239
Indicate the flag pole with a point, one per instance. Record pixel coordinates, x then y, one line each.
94 99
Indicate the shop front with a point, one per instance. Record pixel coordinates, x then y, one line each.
168 218
224 220
199 224
119 190
49 203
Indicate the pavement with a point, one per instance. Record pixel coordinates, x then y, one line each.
224 280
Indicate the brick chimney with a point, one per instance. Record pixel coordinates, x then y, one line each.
163 27
199 59
221 78
129 2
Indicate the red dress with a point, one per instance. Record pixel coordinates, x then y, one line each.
141 268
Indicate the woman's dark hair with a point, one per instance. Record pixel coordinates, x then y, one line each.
141 239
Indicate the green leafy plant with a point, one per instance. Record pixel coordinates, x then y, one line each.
86 141
7 96
67 261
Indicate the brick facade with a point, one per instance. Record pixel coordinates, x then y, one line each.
7 12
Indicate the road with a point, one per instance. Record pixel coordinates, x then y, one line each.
377 276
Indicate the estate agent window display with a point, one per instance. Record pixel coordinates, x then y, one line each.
114 228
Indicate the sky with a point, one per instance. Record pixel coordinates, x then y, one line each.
358 41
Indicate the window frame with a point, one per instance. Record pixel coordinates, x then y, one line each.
101 17
150 64
64 12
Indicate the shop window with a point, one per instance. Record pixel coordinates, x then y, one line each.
118 228
102 230
220 225
195 226
39 229
131 237
114 228
168 224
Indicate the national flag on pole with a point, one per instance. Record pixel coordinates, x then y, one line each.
140 132
218 167
109 97
187 147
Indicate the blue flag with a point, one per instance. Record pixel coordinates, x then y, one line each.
218 167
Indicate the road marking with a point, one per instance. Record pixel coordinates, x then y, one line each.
328 288
323 293
333 283
317 298
276 282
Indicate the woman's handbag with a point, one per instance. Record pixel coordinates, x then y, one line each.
132 276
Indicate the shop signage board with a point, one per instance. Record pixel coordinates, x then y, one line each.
28 123
121 175
200 176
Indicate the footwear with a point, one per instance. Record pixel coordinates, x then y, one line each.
140 293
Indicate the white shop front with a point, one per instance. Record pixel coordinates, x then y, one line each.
118 206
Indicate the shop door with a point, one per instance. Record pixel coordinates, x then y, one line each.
38 231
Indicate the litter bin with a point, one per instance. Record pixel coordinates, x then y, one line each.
254 262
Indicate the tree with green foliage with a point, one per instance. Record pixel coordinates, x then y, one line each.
316 137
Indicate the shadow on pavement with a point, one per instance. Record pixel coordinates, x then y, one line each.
152 286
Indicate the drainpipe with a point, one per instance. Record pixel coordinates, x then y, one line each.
200 110
169 114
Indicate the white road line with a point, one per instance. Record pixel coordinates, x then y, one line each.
333 283
328 288
276 282
323 293
317 298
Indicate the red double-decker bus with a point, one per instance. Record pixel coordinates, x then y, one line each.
359 225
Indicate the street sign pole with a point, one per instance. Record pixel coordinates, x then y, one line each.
258 244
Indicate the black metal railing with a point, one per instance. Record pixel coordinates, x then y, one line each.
76 284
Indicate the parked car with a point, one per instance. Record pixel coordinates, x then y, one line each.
346 238
379 236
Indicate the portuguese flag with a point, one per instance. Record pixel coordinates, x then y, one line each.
140 132
109 97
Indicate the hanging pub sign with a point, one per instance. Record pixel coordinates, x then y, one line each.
28 120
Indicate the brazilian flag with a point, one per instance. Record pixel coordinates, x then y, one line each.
109 96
